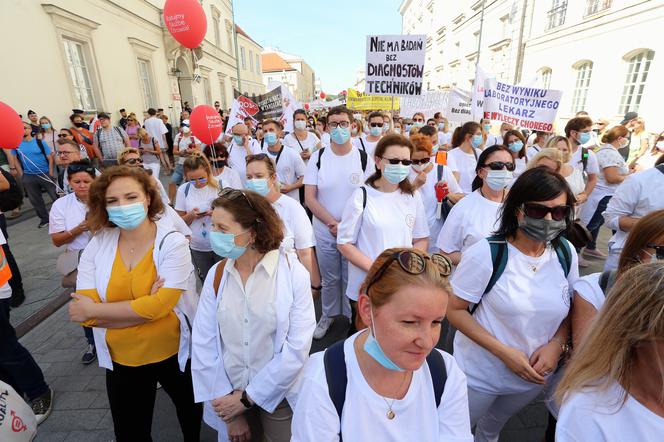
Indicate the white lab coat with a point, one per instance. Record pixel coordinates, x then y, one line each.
173 263
280 378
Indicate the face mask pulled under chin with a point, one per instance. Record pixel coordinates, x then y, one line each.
373 348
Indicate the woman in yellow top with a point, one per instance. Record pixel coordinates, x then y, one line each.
134 280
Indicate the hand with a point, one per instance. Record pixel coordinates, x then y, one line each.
156 285
545 359
193 212
420 179
305 154
229 406
285 188
518 362
238 430
83 226
332 227
581 198
80 308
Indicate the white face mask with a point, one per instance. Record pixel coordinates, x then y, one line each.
660 145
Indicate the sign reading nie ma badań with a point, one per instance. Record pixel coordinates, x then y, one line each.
395 65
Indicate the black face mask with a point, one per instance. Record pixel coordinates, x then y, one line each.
78 124
219 163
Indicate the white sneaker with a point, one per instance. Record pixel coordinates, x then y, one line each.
322 327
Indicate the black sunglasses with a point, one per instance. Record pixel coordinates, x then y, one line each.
414 263
422 161
231 194
63 135
500 165
397 161
539 211
75 168
376 124
133 161
659 250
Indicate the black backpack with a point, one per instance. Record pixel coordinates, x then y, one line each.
11 198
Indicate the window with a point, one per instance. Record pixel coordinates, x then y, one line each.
556 16
251 61
145 78
258 66
583 73
222 88
244 64
544 75
206 89
80 76
595 6
638 66
215 25
504 26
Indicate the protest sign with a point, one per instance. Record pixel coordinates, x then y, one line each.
524 107
478 93
360 101
395 64
276 104
458 106
428 103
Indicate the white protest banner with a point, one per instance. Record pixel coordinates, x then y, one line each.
458 106
524 107
478 92
428 103
289 102
395 65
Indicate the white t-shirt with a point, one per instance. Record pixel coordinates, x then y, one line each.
202 200
162 192
156 129
392 219
237 155
338 176
370 147
298 145
576 161
298 232
596 416
470 220
324 140
290 167
444 138
520 166
66 213
229 178
523 310
464 164
492 139
588 288
5 289
183 143
608 156
575 181
364 412
360 142
533 150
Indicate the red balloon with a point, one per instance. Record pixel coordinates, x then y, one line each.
11 127
206 124
322 94
185 20
306 106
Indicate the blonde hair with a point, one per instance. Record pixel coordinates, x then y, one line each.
632 315
551 153
553 141
141 132
126 151
196 161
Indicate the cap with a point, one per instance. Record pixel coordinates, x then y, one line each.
161 109
78 111
103 115
122 110
30 112
185 122
629 116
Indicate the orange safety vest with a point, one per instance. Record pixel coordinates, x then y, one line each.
5 271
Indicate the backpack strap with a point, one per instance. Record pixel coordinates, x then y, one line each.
364 149
298 141
660 168
363 159
153 146
161 243
564 254
117 129
187 188
438 374
336 376
42 149
218 272
606 280
320 155
584 157
364 197
498 246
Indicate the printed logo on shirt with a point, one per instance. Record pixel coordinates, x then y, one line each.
410 220
355 178
567 299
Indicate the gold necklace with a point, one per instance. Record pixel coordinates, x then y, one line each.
390 413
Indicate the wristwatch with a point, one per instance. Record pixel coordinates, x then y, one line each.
563 345
245 400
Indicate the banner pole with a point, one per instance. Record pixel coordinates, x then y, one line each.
479 40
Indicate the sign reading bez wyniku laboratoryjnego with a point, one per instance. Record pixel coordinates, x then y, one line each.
395 64
525 107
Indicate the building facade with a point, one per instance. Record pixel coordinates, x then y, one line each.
290 70
603 54
251 74
110 54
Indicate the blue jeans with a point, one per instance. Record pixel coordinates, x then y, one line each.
17 366
597 221
178 175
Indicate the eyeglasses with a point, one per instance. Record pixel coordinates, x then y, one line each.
376 124
413 263
397 161
422 161
63 135
500 165
231 194
343 124
659 250
539 211
256 157
64 152
134 161
75 168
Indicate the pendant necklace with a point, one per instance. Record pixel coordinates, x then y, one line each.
390 413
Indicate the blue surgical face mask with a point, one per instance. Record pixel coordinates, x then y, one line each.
46 126
223 244
516 146
270 138
127 217
386 127
441 126
375 131
258 185
372 347
300 125
487 127
408 127
499 179
340 135
434 149
477 141
584 137
419 123
238 139
396 173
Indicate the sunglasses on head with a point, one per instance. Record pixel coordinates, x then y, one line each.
659 250
539 211
232 194
413 263
500 165
422 161
397 161
133 161
75 168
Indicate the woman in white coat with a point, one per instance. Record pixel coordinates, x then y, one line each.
254 324
134 284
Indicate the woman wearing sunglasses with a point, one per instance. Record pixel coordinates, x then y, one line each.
388 382
477 215
431 180
383 213
520 281
134 284
68 227
612 390
193 203
217 155
254 324
132 158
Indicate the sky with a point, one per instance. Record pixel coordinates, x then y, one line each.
329 35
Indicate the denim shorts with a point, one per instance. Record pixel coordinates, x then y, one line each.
178 174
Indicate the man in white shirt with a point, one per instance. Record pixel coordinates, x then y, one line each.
539 143
155 127
579 131
241 145
376 132
303 141
289 164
